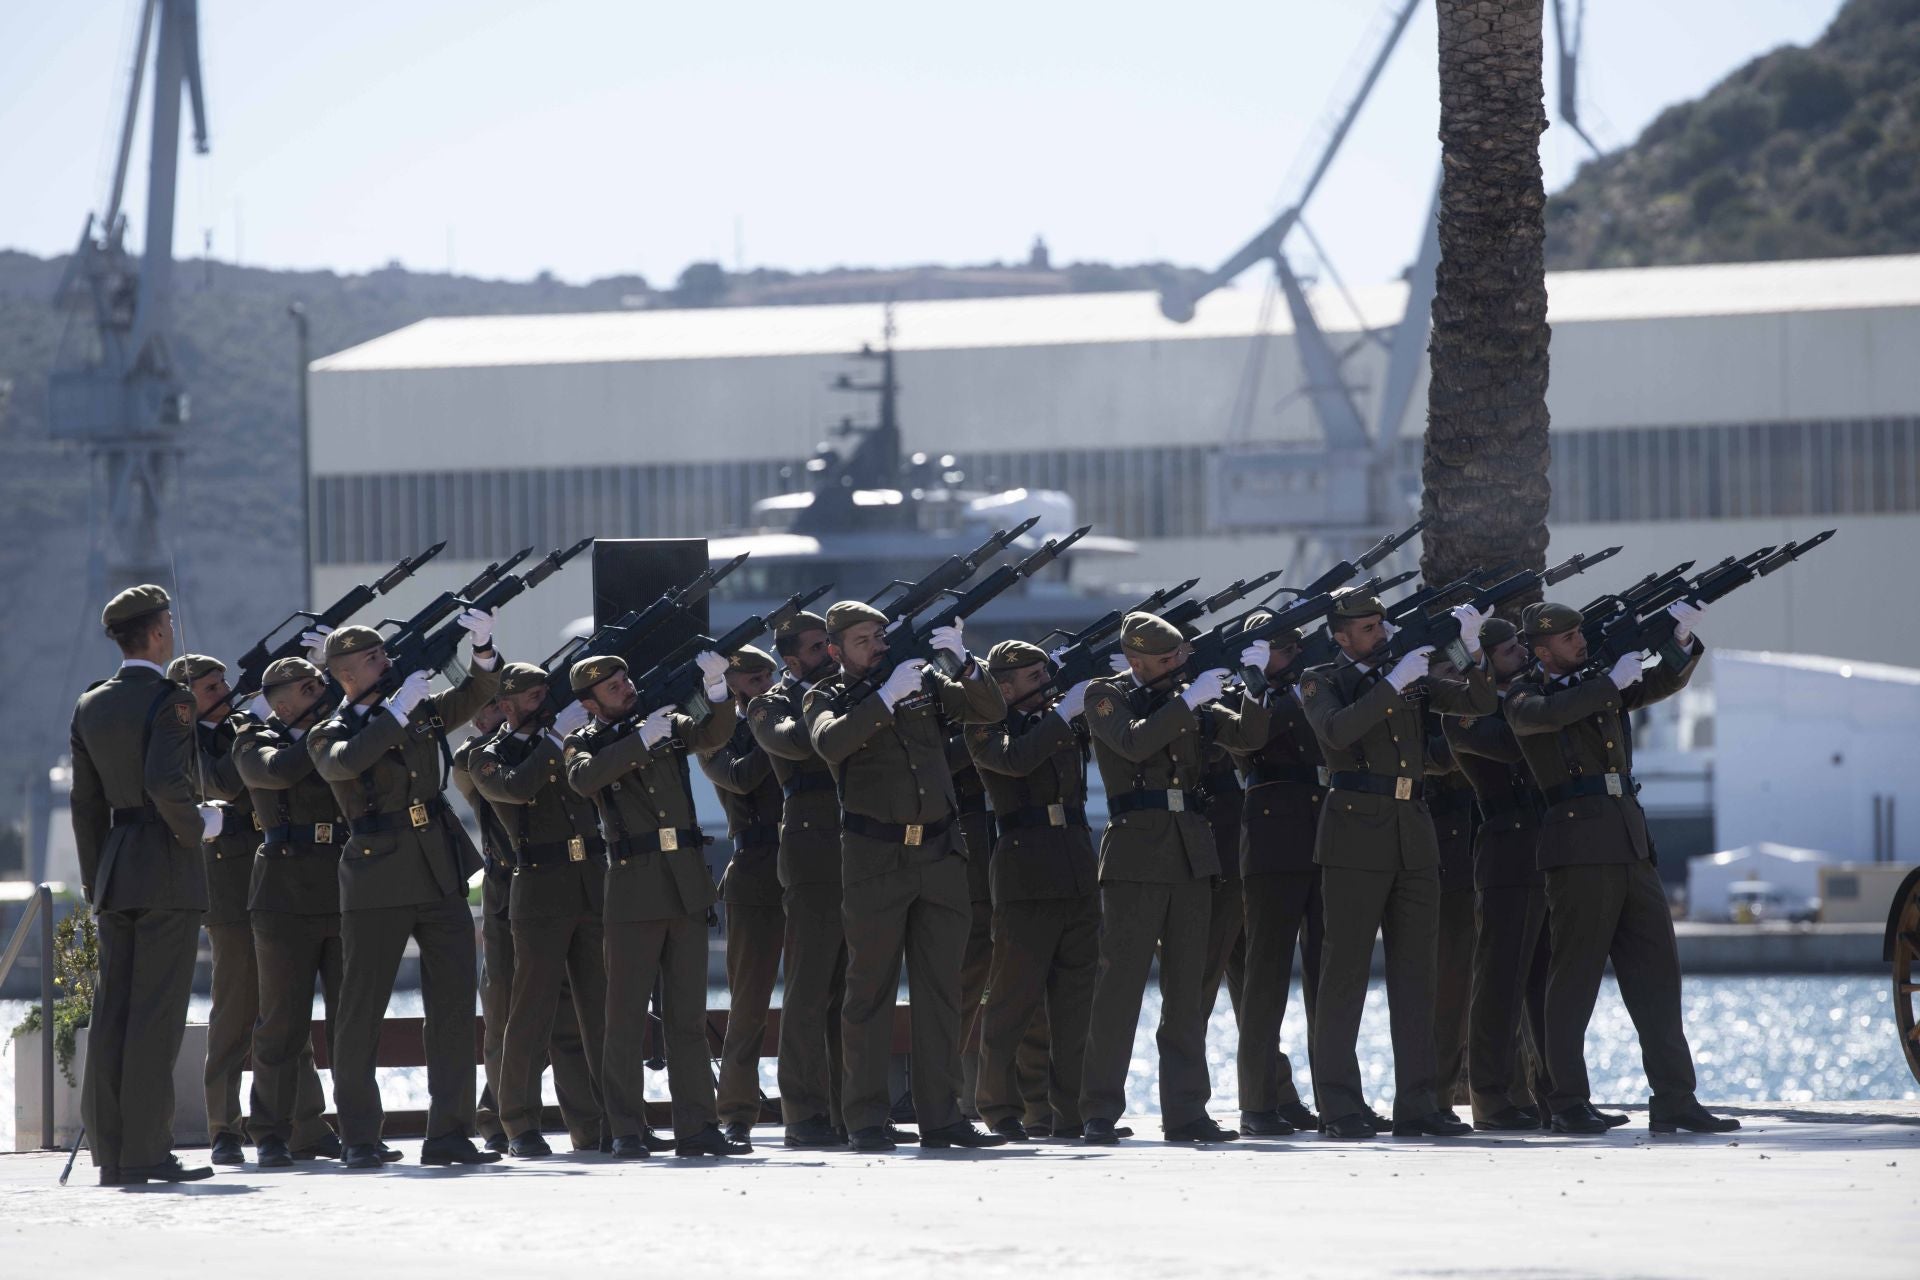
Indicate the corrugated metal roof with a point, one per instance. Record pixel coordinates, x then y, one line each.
1833 284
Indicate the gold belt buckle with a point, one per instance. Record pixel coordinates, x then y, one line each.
1056 815
1403 788
915 831
1325 775
669 839
417 814
1176 801
576 849
1615 786
323 833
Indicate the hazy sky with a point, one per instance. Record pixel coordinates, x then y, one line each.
596 137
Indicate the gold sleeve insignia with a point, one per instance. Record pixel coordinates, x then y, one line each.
183 712
1311 687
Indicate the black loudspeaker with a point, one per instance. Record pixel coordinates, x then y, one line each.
631 573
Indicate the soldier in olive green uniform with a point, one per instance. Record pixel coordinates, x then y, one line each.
903 866
1285 779
815 959
1511 903
1604 898
1379 861
1450 801
138 831
658 894
294 905
403 875
1046 912
555 902
1226 927
1157 861
742 775
976 836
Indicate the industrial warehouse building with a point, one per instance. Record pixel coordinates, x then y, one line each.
1697 412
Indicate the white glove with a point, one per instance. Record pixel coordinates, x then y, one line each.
1626 672
1470 620
258 708
1685 618
1053 654
1410 668
1072 702
211 819
1388 630
1119 663
315 641
479 625
412 691
1256 654
1206 687
713 672
572 718
657 725
903 680
948 638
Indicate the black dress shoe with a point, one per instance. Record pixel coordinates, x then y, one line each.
1012 1130
871 1139
364 1155
498 1142
228 1149
814 1133
960 1133
1615 1119
1507 1120
1435 1124
168 1170
1580 1118
1692 1117
739 1131
1201 1130
1350 1128
629 1147
1264 1124
1297 1115
710 1141
655 1142
273 1154
902 1137
528 1146
328 1148
1039 1129
455 1148
1099 1133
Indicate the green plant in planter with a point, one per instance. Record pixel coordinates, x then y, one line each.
76 959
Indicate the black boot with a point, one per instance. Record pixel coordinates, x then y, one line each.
528 1146
1507 1120
739 1131
454 1148
961 1133
272 1153
871 1139
1435 1124
1690 1116
328 1148
228 1149
1201 1130
1012 1130
710 1141
168 1170
1264 1124
1580 1118
364 1155
1297 1115
629 1147
1350 1128
1100 1133
814 1133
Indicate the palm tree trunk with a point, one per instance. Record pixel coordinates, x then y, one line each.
1485 468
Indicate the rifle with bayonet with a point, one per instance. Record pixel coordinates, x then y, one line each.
1441 630
1076 657
417 648
1221 646
917 596
677 681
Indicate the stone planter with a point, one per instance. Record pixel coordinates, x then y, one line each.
189 1095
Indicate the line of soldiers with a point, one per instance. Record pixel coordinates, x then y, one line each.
1482 821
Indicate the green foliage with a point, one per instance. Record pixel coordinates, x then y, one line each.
76 962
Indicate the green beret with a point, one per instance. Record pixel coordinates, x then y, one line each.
354 639
135 602
1497 631
1546 619
850 613
189 667
1011 655
1280 639
798 623
1351 603
288 671
748 660
589 672
1144 633
518 677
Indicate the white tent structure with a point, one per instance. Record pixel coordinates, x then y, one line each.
1711 877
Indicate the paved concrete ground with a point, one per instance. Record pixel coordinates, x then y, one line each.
1801 1191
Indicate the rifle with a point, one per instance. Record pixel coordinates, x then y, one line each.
676 679
1651 629
1318 649
1347 570
1442 631
1187 612
1075 660
1220 647
417 649
916 596
253 664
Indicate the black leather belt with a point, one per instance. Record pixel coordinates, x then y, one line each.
971 802
559 852
416 816
1607 784
1043 815
911 834
285 841
1173 800
759 835
1263 775
663 840
811 780
1379 784
137 814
